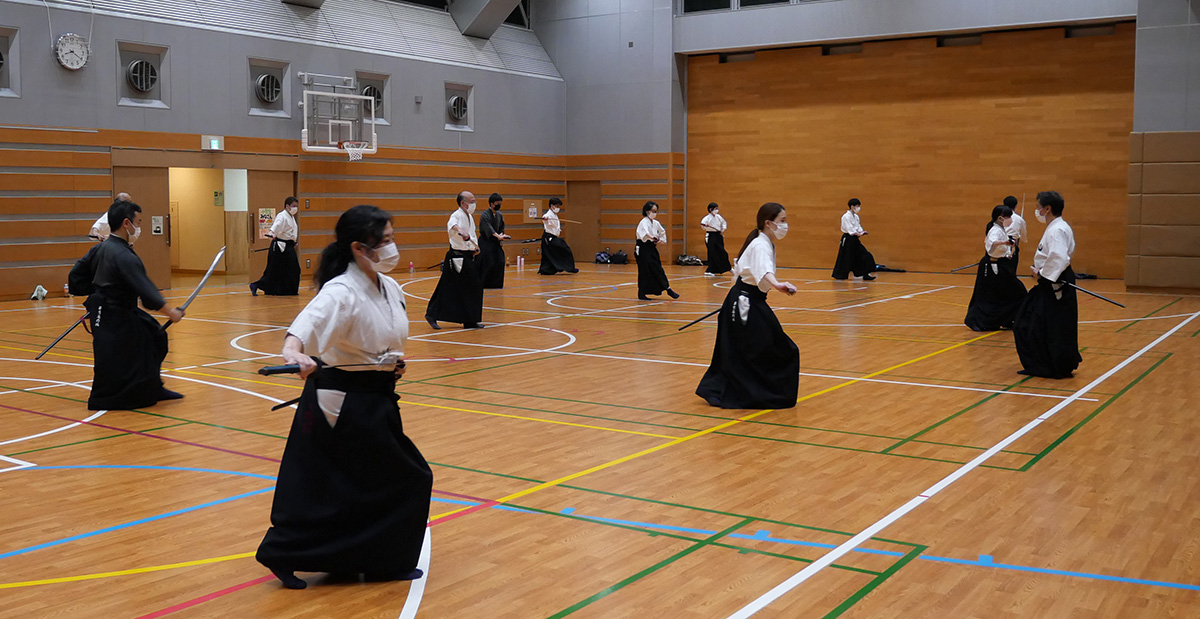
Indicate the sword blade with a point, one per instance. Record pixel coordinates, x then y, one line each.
220 254
1102 298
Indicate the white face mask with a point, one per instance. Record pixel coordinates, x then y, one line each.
133 236
780 230
1041 216
389 257
652 215
555 209
292 210
470 208
716 211
856 209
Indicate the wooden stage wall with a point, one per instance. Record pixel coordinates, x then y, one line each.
55 182
930 138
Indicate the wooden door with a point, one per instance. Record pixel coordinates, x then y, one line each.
150 188
583 205
268 189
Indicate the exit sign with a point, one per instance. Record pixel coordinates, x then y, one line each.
212 142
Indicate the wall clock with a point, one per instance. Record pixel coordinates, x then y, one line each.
71 51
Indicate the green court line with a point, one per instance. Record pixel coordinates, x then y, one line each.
1150 314
650 570
1092 416
142 412
549 412
93 440
879 580
952 417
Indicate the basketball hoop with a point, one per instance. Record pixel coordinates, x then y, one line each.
355 150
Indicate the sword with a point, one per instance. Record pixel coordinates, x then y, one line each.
967 266
704 317
65 333
1094 294
220 254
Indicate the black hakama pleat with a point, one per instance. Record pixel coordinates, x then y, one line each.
651 277
1046 329
718 258
556 256
997 296
853 256
352 498
491 263
282 275
459 293
129 346
754 363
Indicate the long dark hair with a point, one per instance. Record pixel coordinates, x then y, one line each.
766 212
647 206
998 211
363 223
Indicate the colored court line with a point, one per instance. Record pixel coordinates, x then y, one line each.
1150 314
140 570
717 428
550 421
205 598
126 525
93 440
952 417
135 432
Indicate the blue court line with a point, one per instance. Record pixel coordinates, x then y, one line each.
987 561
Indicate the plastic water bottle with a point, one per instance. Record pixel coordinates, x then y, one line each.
66 290
411 268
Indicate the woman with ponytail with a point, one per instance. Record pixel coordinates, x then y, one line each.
754 363
998 292
353 491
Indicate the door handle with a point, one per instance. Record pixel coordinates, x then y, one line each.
168 229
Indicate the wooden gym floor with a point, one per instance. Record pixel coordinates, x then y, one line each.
576 473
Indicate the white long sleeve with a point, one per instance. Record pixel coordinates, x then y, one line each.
995 242
1055 250
466 225
1017 228
650 228
851 224
551 224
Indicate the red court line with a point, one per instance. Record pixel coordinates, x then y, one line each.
161 438
469 510
205 598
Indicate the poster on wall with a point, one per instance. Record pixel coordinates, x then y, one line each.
266 216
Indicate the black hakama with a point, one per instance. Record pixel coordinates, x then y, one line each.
490 262
556 256
1046 329
754 363
853 256
996 298
129 346
491 259
352 498
282 275
459 293
718 258
651 277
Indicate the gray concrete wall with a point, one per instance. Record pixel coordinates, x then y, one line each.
620 99
209 87
1167 83
848 20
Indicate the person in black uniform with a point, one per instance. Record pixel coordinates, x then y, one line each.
556 254
128 344
491 254
459 293
998 292
282 275
852 255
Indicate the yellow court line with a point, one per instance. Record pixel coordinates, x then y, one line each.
140 570
240 380
684 439
558 423
57 354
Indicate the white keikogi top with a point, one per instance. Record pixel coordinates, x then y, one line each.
353 321
100 228
1055 249
466 225
851 223
285 228
754 263
551 223
1016 228
714 221
650 228
994 243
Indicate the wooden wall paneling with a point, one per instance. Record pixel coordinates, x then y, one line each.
583 204
237 242
150 189
919 133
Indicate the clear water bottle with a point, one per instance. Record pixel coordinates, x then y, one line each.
411 268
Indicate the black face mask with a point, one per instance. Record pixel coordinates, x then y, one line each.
497 206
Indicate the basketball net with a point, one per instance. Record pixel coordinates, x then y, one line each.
355 149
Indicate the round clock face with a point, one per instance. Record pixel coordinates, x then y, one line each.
71 50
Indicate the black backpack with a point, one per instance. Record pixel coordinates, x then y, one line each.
619 258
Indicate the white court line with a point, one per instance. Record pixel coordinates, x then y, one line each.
56 430
416 590
20 464
867 533
907 296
